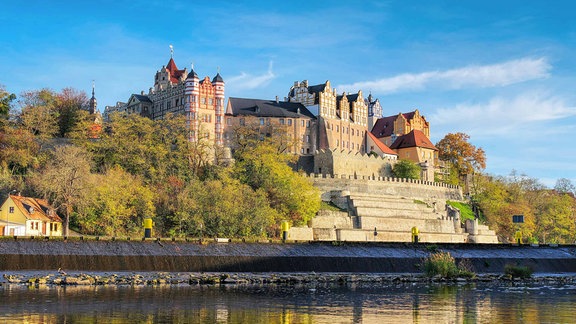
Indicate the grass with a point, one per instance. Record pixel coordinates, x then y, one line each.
443 264
465 210
324 205
516 271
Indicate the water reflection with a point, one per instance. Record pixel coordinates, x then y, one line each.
352 303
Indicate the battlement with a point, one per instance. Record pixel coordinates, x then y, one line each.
334 162
382 179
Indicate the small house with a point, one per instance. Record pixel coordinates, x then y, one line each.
26 216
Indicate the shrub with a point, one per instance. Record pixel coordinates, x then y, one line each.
443 264
440 263
516 271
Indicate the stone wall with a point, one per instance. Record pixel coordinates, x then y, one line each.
332 187
335 162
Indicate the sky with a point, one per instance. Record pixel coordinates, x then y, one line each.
503 72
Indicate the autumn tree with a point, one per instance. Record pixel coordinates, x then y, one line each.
39 114
63 180
406 169
463 157
262 167
564 185
69 103
117 204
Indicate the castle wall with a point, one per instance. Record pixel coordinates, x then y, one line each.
338 162
416 189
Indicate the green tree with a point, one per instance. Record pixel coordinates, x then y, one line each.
63 180
262 167
5 102
406 169
117 204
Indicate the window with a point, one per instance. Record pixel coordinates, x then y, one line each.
261 121
203 101
337 128
281 121
307 123
55 227
302 123
11 210
168 104
242 122
31 225
228 121
289 122
307 138
210 102
36 225
302 151
219 119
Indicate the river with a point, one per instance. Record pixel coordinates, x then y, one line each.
418 302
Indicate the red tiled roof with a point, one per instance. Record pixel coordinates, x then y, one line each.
40 208
385 149
413 139
175 74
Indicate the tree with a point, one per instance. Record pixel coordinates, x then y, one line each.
465 157
564 185
5 102
68 104
39 114
117 204
406 169
64 179
262 167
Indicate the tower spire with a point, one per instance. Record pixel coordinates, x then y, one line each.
171 51
93 103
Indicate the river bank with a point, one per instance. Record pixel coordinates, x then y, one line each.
35 278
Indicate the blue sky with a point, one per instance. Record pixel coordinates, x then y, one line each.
501 71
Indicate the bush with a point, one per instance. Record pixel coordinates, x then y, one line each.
516 271
443 264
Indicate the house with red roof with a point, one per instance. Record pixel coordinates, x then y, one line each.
387 129
416 147
26 216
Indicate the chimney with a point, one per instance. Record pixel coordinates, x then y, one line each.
276 99
142 92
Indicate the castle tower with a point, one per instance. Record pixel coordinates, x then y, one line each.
218 84
92 104
192 93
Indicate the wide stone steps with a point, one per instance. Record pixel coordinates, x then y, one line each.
405 225
398 213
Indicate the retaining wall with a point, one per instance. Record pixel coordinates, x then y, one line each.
22 255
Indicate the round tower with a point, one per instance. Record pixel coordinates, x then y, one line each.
191 92
218 84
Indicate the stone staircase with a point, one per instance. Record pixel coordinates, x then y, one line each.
379 217
387 218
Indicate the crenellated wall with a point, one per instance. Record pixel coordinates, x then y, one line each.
332 186
335 162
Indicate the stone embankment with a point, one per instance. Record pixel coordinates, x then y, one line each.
338 257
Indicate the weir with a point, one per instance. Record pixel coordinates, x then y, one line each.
170 256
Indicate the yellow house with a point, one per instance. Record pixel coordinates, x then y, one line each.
25 216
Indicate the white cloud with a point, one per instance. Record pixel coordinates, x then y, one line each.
246 81
482 76
502 116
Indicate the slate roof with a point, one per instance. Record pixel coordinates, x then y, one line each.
381 145
268 108
384 126
142 98
217 78
36 209
192 74
413 139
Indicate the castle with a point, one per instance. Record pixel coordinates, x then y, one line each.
331 132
